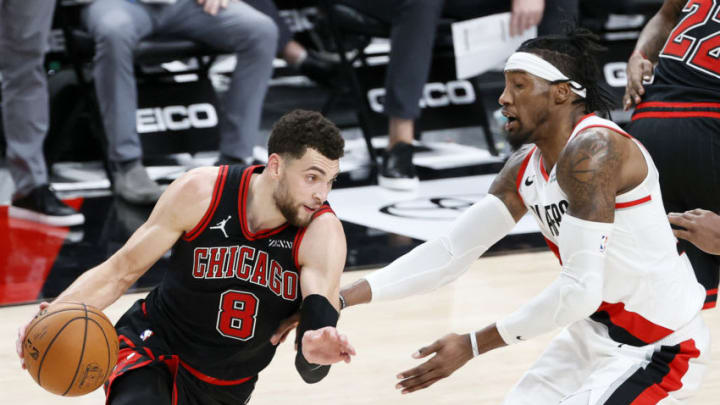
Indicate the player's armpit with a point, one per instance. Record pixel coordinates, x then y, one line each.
588 171
504 186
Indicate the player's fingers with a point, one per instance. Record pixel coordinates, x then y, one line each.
682 234
421 385
681 220
415 371
647 70
698 212
414 383
424 351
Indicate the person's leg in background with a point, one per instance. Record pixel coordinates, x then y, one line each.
412 35
117 26
252 36
24 30
308 63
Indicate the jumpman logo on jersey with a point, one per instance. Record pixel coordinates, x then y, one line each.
221 225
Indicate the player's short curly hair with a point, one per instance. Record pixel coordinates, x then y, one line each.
298 130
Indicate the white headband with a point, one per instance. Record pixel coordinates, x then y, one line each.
543 69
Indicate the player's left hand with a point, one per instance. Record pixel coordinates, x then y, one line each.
702 229
282 331
326 346
452 352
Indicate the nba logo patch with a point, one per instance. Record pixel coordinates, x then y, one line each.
603 243
146 334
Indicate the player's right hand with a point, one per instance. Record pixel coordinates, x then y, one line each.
21 334
639 70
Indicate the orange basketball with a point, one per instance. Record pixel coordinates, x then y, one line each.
70 348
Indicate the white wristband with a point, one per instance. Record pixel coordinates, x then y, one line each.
473 343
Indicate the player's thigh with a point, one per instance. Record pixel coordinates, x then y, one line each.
150 385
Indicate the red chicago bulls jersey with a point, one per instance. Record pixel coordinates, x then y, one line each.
689 64
227 288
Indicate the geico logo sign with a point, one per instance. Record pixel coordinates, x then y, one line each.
615 74
176 118
434 95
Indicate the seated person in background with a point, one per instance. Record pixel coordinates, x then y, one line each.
118 25
411 39
309 64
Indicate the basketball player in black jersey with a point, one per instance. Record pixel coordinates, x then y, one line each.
677 117
250 246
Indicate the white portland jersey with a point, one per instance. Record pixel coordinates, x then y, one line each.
649 290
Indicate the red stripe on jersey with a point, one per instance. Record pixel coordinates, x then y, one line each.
675 114
634 323
217 192
554 248
521 172
584 117
543 171
664 104
672 381
212 380
633 203
242 209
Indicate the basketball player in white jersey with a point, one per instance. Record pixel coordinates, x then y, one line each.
629 304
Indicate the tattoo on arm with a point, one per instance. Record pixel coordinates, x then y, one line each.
587 171
504 186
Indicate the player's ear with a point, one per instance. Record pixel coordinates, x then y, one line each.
275 165
561 92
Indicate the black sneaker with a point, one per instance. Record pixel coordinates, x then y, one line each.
322 71
398 171
41 205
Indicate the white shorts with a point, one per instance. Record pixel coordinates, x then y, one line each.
584 366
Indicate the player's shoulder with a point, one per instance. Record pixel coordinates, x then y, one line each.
325 222
516 160
198 182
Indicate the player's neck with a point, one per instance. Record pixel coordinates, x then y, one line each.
555 134
261 210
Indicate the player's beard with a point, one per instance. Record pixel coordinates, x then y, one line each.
517 139
288 208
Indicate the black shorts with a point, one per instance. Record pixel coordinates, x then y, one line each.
685 146
147 374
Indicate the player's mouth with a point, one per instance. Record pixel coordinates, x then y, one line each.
512 122
310 209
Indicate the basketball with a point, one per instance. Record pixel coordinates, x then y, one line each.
70 349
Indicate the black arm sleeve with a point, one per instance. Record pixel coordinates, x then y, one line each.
316 312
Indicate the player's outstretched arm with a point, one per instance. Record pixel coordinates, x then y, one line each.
647 50
321 257
587 172
442 260
699 227
180 208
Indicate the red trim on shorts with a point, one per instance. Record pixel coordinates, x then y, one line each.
521 173
242 211
712 291
126 340
217 192
675 114
212 380
633 203
554 248
633 323
666 104
709 305
673 379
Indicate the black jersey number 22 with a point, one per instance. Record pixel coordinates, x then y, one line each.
237 314
705 55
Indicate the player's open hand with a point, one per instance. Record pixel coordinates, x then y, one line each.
639 71
451 352
282 331
21 335
326 346
212 7
701 228
525 14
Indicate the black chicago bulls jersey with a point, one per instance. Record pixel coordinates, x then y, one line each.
227 289
689 64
